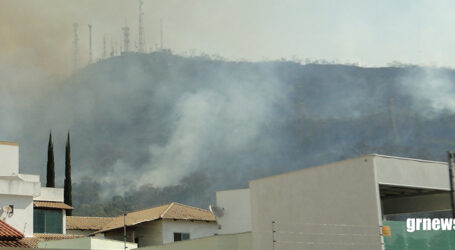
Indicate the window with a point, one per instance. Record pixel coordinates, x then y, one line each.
47 221
181 236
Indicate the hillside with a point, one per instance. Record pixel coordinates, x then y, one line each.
161 127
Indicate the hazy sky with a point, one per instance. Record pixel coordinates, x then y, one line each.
372 33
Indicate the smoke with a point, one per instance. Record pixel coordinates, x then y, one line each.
433 90
228 117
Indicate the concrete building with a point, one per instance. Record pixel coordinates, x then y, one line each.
343 205
160 225
235 206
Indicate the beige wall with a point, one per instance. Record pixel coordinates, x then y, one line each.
219 242
334 206
237 211
149 233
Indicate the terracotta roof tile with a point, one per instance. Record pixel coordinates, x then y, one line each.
86 223
13 243
174 211
50 204
7 231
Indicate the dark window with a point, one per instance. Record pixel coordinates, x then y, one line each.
47 221
181 236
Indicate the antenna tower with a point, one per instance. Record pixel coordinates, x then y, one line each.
126 38
104 46
90 44
75 46
161 33
141 28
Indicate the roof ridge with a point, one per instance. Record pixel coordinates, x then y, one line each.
166 210
140 210
76 216
198 208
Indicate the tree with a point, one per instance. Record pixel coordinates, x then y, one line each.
50 163
68 186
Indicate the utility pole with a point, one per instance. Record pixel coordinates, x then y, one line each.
273 235
450 157
124 228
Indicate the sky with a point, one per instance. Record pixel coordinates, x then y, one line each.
369 33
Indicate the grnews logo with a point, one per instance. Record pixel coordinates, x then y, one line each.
427 224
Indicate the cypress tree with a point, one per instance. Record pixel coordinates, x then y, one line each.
50 163
68 186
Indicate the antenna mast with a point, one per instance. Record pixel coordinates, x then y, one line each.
161 33
141 28
126 38
75 46
104 46
90 44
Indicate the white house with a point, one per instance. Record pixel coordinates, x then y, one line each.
17 191
36 212
163 224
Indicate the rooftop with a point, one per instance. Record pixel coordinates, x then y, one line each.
86 223
173 211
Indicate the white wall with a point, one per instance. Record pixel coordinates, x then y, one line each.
9 155
330 207
411 172
237 211
86 243
22 218
195 229
51 194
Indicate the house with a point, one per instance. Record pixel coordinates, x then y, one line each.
49 212
10 237
345 205
160 225
79 225
36 212
17 191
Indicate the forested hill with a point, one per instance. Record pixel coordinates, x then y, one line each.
155 128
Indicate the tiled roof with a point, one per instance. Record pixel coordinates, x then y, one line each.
13 243
7 231
173 211
10 237
86 223
50 204
33 241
